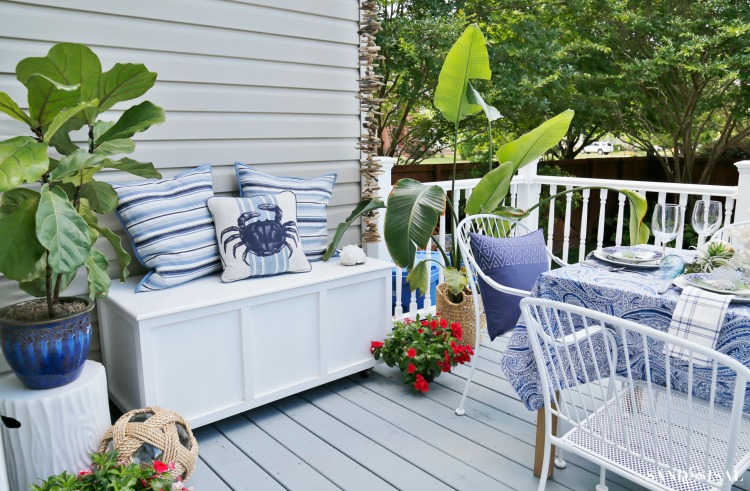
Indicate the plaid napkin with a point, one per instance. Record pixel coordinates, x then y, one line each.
698 318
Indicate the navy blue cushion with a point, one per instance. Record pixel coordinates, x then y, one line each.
514 261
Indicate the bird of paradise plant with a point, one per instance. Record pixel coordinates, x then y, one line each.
413 208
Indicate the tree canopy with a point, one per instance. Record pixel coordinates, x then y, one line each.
657 73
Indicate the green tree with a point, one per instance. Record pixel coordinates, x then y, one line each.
678 74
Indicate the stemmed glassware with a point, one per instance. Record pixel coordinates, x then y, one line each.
665 223
706 216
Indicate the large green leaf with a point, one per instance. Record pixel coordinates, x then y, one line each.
11 200
61 230
20 248
96 267
491 190
419 276
456 280
116 147
410 218
137 118
61 139
639 231
22 160
529 147
123 82
101 196
123 258
364 207
62 117
9 107
66 63
467 60
72 164
47 98
140 169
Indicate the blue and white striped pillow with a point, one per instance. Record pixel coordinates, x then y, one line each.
170 227
258 236
312 195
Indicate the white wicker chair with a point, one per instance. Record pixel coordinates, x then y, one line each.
668 431
724 233
494 226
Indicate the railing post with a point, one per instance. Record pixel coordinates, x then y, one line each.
742 207
528 194
378 250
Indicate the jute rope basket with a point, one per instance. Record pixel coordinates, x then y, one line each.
160 431
463 313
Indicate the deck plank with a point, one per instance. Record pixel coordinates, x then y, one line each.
205 478
275 459
410 444
329 461
377 458
233 467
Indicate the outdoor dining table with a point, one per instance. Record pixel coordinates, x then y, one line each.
636 294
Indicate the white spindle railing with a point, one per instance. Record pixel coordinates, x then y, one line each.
527 187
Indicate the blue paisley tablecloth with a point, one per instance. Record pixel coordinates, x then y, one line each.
629 294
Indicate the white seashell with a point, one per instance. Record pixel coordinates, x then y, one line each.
351 255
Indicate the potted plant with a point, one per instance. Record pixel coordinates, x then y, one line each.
49 204
106 473
423 349
413 208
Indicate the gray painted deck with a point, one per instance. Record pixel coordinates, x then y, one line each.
374 434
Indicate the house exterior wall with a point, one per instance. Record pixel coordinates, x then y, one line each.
271 83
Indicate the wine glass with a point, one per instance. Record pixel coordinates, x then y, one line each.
665 223
706 216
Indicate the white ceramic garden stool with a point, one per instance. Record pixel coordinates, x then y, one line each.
59 428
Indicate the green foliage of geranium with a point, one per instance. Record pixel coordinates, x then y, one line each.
106 474
423 349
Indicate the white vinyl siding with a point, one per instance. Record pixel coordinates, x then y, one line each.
270 83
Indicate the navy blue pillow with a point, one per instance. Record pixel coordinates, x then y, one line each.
514 261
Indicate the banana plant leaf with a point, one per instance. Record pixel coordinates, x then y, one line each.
410 218
493 188
467 60
364 207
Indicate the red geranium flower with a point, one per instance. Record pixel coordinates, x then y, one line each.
421 384
84 472
411 368
443 323
425 323
160 467
375 344
420 330
411 353
433 324
456 330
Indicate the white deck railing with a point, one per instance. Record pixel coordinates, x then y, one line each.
528 186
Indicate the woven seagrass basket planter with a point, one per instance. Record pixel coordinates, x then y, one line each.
462 312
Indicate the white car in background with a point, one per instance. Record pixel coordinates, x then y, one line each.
599 147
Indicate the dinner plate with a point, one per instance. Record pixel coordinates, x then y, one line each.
681 283
632 255
640 265
705 281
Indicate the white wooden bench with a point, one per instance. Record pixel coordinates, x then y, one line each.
210 350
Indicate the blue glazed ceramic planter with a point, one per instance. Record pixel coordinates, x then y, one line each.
47 354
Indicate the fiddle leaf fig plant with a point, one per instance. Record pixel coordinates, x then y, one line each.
50 201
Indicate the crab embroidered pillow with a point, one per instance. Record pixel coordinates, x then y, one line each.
258 236
170 227
312 195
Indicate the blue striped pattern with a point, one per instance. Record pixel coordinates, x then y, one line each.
312 195
170 227
237 256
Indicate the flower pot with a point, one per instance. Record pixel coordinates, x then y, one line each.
462 312
49 353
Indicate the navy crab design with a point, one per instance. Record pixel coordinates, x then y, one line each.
261 237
